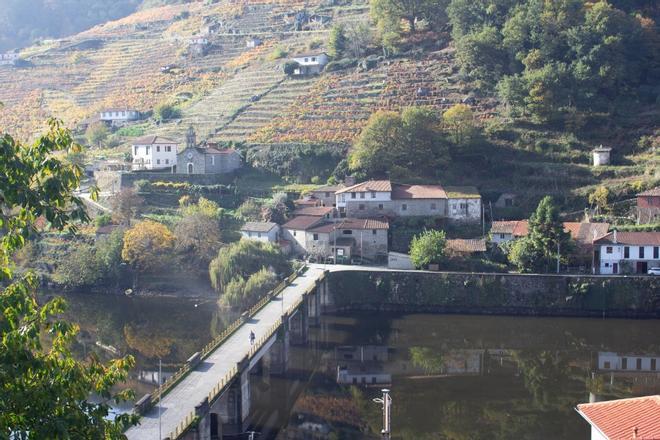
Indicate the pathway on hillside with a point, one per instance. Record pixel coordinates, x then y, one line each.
195 387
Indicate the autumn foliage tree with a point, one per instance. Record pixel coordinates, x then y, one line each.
44 391
147 246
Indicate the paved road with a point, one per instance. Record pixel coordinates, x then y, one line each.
182 399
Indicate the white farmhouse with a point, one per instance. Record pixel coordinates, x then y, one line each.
310 63
153 153
627 252
116 116
8 58
261 231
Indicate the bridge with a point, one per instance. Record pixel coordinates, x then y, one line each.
210 396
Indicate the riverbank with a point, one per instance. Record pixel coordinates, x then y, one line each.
495 294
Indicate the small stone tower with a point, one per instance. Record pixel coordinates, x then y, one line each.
191 140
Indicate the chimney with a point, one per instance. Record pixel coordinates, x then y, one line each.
615 242
634 432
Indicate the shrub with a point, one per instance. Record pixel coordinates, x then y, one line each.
244 294
166 111
277 53
342 64
103 220
290 67
428 248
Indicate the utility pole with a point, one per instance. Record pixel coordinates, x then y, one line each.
386 401
160 396
558 254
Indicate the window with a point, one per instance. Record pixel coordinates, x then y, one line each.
433 207
353 195
136 150
373 379
168 148
316 237
147 149
313 58
656 249
502 236
123 113
158 161
626 252
373 194
294 233
624 363
259 234
373 232
404 207
362 195
347 232
607 365
167 161
306 59
355 380
212 160
361 207
380 206
653 364
157 148
609 249
641 252
639 363
327 194
508 202
463 206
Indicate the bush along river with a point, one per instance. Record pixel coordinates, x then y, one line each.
450 376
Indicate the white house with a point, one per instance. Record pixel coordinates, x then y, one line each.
627 252
635 363
623 419
261 231
253 42
119 115
310 63
154 152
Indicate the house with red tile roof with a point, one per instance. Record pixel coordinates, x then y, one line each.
154 152
627 252
648 206
344 238
377 198
624 419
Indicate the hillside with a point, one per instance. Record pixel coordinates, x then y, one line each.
302 128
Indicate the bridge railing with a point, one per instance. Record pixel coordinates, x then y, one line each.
211 346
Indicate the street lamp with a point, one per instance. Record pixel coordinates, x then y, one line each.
386 401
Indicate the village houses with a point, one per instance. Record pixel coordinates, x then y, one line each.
207 158
8 58
377 198
627 252
153 153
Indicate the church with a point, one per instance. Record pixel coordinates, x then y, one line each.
206 158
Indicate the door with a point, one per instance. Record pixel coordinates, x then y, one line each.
190 168
642 267
214 426
615 268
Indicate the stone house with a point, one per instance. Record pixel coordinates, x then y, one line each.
503 231
310 63
326 212
505 200
326 194
343 239
648 206
378 198
627 252
154 152
261 231
460 247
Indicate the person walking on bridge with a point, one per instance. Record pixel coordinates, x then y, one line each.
252 337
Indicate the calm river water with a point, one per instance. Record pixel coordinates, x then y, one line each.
451 377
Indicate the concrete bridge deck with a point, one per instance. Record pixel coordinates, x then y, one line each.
192 389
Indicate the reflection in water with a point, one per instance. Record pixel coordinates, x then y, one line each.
470 377
452 377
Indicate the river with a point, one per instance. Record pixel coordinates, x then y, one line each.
450 376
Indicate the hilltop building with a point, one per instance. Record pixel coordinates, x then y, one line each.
153 153
627 252
377 198
601 156
8 58
207 158
310 63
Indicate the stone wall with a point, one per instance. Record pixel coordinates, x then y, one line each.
597 296
394 208
113 181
